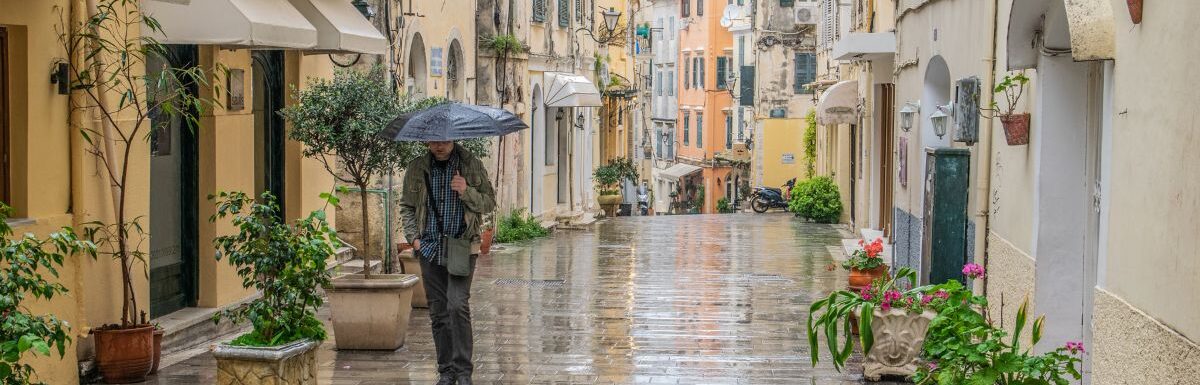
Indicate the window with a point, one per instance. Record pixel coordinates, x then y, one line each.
579 11
658 80
658 130
728 130
699 7
539 11
687 72
564 13
685 8
687 127
699 129
741 51
722 71
741 125
701 72
671 83
696 72
670 139
806 72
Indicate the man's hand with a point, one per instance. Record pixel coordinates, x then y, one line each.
458 184
416 244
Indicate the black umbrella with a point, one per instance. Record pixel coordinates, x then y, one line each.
452 121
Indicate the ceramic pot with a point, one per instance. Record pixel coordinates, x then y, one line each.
125 355
863 278
1016 129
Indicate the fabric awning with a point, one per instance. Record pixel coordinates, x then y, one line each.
242 23
570 90
1087 27
679 170
839 104
865 46
341 28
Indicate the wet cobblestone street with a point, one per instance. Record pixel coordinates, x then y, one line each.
716 299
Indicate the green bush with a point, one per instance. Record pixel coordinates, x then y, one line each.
817 199
810 143
518 226
723 206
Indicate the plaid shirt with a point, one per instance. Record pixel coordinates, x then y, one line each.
448 205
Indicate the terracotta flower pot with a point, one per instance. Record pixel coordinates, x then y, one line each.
158 337
1016 129
1135 11
863 278
125 355
485 241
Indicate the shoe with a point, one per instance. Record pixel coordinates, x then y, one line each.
447 379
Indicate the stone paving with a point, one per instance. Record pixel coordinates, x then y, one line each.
716 299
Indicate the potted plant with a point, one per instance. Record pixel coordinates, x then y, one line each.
608 181
158 337
131 103
1016 126
28 265
816 199
286 264
488 234
963 345
891 324
866 264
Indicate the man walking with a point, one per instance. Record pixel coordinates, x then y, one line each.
451 182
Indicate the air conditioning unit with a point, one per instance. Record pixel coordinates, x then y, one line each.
806 13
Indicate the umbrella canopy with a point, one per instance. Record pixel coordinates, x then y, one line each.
452 121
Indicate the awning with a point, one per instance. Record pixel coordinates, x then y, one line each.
679 170
1086 27
570 90
243 23
865 46
839 104
341 28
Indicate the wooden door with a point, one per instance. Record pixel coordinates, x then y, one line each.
887 177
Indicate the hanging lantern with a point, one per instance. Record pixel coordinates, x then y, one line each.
610 18
908 114
940 120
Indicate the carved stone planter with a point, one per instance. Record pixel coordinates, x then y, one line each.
292 364
899 338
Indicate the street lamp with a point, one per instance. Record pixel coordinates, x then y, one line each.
908 113
611 15
940 120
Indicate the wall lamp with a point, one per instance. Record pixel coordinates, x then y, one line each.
941 119
908 114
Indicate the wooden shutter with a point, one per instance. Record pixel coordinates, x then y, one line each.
684 8
746 83
699 7
699 129
721 72
805 71
564 13
687 127
687 72
701 72
539 11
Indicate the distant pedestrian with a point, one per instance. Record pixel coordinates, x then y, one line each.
446 194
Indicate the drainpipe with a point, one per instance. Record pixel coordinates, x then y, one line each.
984 190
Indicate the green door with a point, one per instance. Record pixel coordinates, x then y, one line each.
173 198
945 237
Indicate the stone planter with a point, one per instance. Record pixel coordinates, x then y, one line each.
371 314
291 364
899 339
609 203
413 266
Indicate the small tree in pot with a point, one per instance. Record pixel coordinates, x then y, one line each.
286 263
1016 126
608 182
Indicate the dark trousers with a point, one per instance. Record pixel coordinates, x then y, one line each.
450 315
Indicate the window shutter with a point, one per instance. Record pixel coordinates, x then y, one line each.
699 7
564 13
746 85
687 127
539 11
683 8
728 131
687 72
805 71
721 72
702 72
700 129
671 83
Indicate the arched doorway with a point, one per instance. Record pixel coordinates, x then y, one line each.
455 75
936 93
418 70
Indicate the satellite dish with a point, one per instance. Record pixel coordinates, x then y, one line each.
731 12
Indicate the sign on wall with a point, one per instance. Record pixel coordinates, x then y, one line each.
435 61
236 89
789 158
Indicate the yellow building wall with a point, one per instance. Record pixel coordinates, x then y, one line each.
780 137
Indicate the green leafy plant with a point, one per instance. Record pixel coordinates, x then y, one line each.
286 263
1012 86
28 266
827 314
339 122
503 44
723 206
817 199
120 82
608 177
963 346
810 143
519 226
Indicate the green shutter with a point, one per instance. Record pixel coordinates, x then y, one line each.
746 84
564 13
700 130
721 72
539 11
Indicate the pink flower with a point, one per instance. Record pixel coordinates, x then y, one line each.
891 295
865 293
932 366
972 270
885 306
942 294
926 298
1075 347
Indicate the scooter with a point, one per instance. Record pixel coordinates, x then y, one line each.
766 198
644 204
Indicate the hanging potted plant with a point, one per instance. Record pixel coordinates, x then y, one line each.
30 266
866 264
1016 126
285 263
111 48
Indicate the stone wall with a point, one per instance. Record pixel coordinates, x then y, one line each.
906 248
1130 347
1010 278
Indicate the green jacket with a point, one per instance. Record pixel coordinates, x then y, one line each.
478 200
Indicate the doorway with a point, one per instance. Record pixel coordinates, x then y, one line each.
563 145
174 197
537 168
269 129
886 173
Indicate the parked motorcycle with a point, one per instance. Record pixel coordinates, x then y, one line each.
766 198
644 204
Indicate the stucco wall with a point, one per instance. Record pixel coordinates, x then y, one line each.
1010 280
1132 347
779 137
